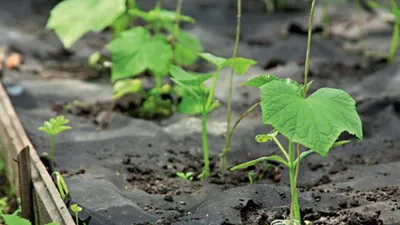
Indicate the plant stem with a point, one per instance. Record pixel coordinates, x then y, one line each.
396 33
178 15
307 63
77 218
325 20
228 133
227 148
358 15
158 82
206 170
269 5
52 152
281 148
212 91
294 208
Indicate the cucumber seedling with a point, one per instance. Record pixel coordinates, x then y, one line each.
240 66
151 48
185 176
198 100
76 209
53 127
314 122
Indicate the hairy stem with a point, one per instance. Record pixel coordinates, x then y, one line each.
307 63
227 148
178 15
396 33
52 152
229 114
325 20
294 208
359 22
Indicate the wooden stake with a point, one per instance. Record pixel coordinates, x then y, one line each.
25 181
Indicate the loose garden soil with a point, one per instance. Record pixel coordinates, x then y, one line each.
124 168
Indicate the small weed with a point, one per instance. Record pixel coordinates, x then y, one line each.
53 127
185 176
76 209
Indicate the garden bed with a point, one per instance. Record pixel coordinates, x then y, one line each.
126 170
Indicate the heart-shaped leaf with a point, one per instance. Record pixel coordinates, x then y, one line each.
315 122
71 19
135 51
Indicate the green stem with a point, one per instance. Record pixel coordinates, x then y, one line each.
178 15
307 63
294 208
52 151
206 169
212 91
396 33
229 114
281 148
325 20
269 5
158 82
227 147
76 218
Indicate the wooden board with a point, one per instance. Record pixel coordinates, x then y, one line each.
48 205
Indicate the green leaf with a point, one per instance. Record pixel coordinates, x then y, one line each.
315 122
188 78
241 64
160 15
262 138
15 220
121 24
71 19
190 105
187 49
76 208
136 51
259 81
275 158
218 61
126 86
55 126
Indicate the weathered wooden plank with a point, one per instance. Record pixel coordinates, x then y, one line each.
48 205
25 181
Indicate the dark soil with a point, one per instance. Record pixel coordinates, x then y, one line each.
126 171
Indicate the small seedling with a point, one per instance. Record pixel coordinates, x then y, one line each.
240 66
314 122
197 100
76 209
185 176
53 127
251 175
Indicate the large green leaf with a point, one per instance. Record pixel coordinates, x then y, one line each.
259 80
315 122
136 51
71 19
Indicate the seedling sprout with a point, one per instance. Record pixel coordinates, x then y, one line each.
53 127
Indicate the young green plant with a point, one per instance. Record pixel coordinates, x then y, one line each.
185 176
314 122
16 220
240 66
76 209
198 100
53 127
